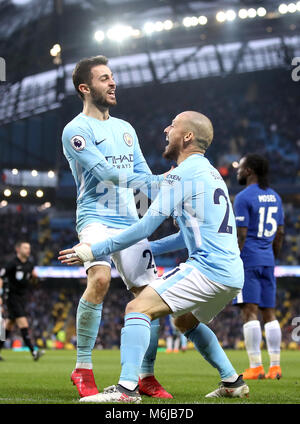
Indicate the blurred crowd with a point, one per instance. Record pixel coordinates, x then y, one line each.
52 314
250 113
47 237
247 113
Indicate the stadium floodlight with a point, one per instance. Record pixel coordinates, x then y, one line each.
243 13
158 26
187 22
7 192
190 21
51 174
298 6
283 8
119 33
230 15
221 16
261 12
135 33
194 21
15 171
292 7
99 36
252 12
202 20
149 27
56 49
168 24
20 2
39 193
34 173
23 192
3 203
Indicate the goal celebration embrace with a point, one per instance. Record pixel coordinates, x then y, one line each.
195 194
149 206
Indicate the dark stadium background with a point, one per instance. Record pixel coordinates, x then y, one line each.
241 73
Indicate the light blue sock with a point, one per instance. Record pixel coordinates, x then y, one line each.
183 341
135 338
208 345
87 323
150 356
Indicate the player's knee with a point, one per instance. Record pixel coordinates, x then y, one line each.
98 284
133 306
268 314
185 322
249 312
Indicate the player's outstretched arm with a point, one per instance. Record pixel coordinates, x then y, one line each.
82 149
242 235
170 196
278 240
168 244
84 252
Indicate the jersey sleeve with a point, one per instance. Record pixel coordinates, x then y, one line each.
168 244
142 169
280 212
132 235
7 269
78 145
172 195
241 211
140 164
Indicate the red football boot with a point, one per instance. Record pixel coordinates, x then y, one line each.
84 380
150 386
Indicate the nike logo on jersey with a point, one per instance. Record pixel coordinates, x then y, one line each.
99 142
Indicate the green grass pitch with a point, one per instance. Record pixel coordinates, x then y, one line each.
186 375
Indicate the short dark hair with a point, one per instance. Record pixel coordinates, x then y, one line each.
82 71
260 166
19 242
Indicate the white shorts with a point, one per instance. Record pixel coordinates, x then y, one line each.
186 289
135 264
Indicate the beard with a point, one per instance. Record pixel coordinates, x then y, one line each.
171 152
100 101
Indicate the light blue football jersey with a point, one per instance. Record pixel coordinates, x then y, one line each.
90 144
201 205
195 194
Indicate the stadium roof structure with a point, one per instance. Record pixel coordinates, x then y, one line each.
30 28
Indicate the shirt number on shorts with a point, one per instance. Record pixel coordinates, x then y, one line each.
224 227
150 263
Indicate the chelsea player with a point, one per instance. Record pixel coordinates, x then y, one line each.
195 194
260 228
107 163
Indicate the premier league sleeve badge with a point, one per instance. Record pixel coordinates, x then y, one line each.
78 143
